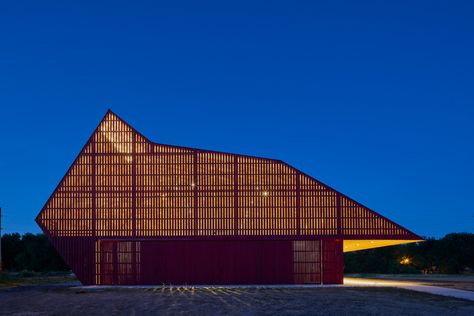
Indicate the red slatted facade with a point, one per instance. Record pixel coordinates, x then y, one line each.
130 211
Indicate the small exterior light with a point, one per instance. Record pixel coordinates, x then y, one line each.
265 193
405 261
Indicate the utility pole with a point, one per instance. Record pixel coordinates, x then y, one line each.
0 239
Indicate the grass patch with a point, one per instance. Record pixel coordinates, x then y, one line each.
24 278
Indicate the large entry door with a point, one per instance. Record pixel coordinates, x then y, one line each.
118 262
307 265
217 262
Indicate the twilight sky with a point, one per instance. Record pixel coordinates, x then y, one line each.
373 99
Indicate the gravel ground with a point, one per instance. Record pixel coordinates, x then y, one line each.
71 300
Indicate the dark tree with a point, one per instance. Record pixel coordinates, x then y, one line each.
30 252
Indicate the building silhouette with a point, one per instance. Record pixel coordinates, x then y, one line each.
130 211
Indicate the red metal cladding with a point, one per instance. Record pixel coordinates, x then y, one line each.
333 260
130 211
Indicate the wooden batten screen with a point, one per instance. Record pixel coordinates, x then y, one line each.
360 221
122 185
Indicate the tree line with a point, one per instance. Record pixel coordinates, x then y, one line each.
32 252
453 253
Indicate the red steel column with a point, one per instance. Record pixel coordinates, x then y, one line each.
94 184
338 209
134 185
195 164
298 216
236 197
134 207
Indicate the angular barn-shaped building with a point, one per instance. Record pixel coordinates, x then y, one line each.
130 211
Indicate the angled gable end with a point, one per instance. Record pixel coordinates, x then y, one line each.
327 212
363 228
359 221
68 211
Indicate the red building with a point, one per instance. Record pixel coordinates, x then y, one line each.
130 211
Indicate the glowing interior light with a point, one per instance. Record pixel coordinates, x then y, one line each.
163 184
354 245
120 143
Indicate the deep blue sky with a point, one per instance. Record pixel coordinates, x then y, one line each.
374 99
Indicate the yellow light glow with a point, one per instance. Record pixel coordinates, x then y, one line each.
354 245
405 261
114 135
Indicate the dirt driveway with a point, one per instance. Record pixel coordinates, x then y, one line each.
71 300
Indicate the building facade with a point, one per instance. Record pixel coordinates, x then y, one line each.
130 211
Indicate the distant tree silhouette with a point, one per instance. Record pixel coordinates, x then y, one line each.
454 253
30 252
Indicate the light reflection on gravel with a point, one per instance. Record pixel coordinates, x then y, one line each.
66 300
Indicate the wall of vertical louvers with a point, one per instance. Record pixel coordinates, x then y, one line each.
122 185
